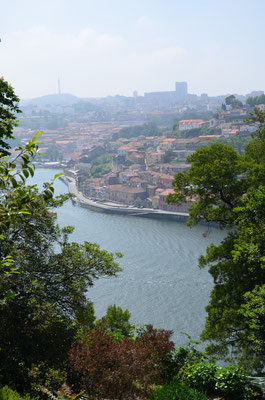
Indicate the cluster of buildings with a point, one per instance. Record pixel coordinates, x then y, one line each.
140 175
134 186
142 168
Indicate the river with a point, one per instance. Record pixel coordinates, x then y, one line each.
161 283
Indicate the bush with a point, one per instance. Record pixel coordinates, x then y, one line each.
120 369
252 393
200 376
8 394
180 357
42 376
177 391
231 380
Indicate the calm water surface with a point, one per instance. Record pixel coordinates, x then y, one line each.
160 282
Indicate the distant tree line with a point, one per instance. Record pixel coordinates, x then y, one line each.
148 129
196 132
41 122
255 101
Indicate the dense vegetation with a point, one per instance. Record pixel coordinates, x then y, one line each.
233 102
44 277
101 165
8 110
255 101
148 129
230 191
53 154
238 142
52 345
44 120
189 133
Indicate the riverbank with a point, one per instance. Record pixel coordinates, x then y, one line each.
113 208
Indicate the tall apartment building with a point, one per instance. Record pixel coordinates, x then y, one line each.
181 90
171 97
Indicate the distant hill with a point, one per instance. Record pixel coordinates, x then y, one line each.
65 99
58 104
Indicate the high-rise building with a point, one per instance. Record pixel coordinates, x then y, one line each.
181 90
179 95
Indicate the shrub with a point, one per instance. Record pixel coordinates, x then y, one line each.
8 394
153 346
177 391
42 376
181 356
200 376
120 369
252 393
231 380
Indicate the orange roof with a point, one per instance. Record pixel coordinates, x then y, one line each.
126 189
166 192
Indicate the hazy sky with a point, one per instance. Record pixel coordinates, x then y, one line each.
107 47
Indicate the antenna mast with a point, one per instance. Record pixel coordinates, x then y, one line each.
59 86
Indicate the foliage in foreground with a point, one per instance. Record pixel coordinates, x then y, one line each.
183 355
229 383
43 276
230 191
193 368
177 391
120 369
8 394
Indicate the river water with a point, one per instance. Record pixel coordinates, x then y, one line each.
160 283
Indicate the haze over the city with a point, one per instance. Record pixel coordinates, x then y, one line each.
115 47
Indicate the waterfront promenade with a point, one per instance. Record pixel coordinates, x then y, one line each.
115 208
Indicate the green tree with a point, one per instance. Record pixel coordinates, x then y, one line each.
8 115
233 102
237 104
237 267
52 154
253 313
117 320
43 276
254 101
229 100
148 129
214 180
230 191
169 156
44 287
